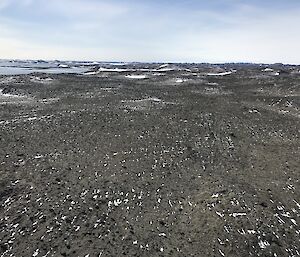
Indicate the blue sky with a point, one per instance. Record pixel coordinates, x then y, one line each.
151 30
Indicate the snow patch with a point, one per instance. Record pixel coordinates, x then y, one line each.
220 74
3 95
237 214
268 70
179 80
132 76
41 80
263 244
63 66
164 69
112 70
153 99
7 80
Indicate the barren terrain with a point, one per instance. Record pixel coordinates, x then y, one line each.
151 160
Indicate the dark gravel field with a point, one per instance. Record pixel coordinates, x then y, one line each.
150 160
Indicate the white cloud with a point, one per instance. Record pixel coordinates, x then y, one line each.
99 30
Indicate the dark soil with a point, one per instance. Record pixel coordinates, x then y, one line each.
104 165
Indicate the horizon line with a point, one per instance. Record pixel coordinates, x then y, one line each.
151 62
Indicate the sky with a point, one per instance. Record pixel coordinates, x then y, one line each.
216 31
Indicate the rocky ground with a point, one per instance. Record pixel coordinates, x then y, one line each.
149 160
